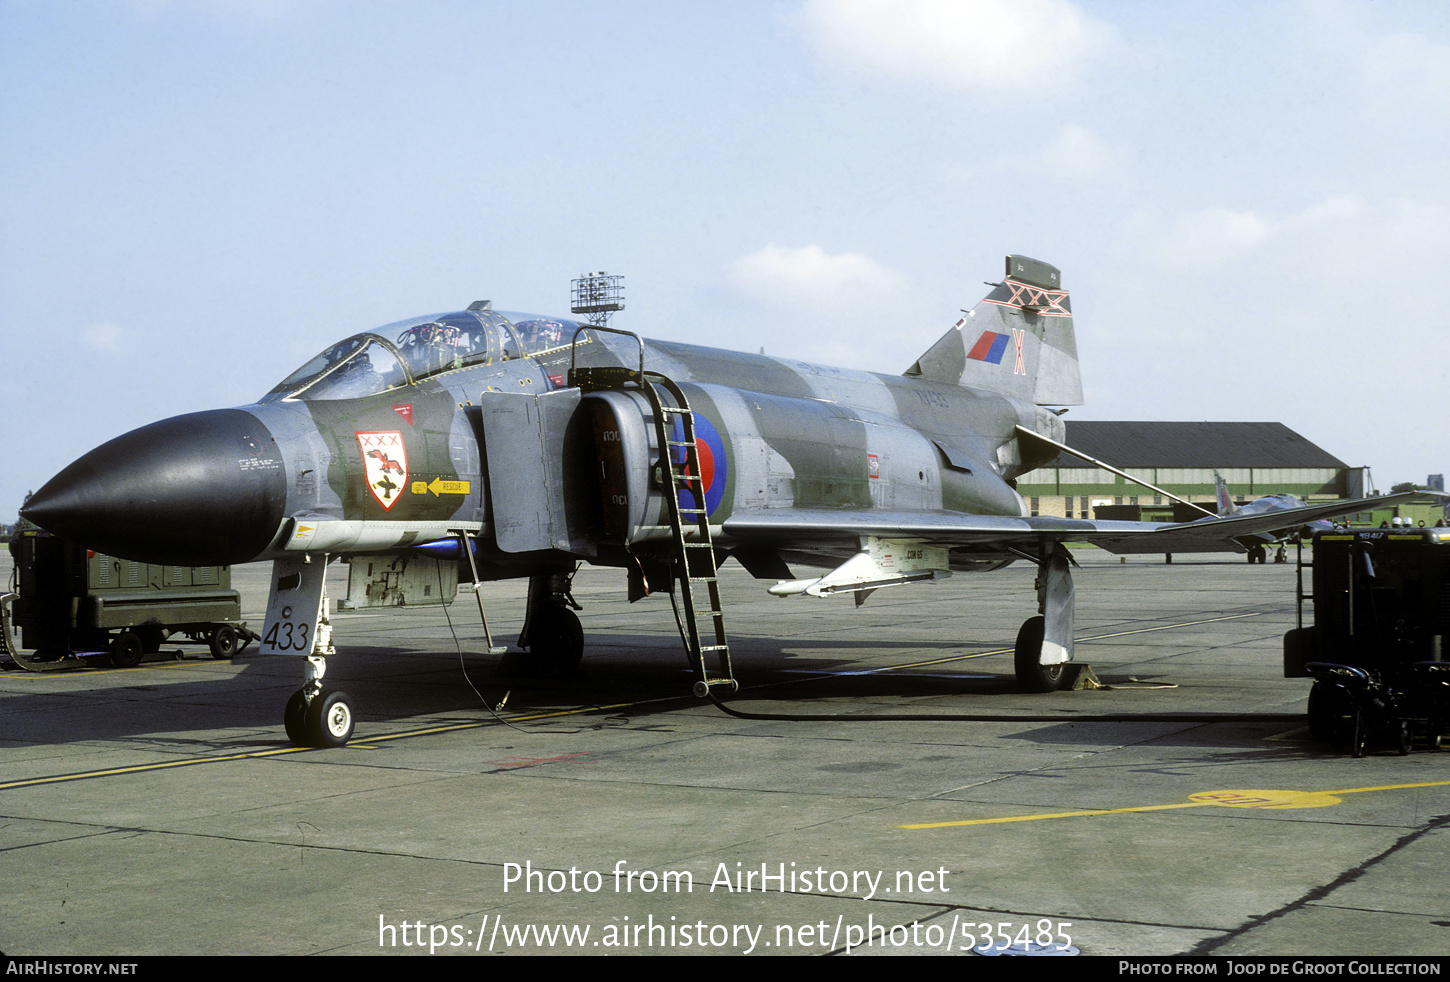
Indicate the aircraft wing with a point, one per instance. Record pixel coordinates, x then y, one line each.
1216 533
799 528
804 525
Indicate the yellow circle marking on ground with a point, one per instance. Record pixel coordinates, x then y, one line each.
1234 799
1265 799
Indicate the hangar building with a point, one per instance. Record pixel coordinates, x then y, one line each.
1255 459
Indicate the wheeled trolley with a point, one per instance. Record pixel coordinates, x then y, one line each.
71 602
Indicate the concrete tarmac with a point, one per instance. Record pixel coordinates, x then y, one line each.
160 810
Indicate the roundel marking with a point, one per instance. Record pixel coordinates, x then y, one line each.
710 450
707 463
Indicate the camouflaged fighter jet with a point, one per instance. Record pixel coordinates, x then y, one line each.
519 445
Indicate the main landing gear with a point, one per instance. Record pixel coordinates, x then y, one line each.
1032 675
551 630
1044 643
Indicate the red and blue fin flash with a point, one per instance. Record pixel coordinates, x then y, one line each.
990 347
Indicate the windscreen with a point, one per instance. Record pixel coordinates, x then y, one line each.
409 350
362 365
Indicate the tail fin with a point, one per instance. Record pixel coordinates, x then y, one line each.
1226 504
1018 341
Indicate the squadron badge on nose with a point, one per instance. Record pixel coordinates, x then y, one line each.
385 464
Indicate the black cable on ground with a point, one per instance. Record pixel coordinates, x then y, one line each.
1005 718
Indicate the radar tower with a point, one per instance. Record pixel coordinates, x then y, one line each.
598 295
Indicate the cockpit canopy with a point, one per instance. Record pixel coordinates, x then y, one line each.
409 350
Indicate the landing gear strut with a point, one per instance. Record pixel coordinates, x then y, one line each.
1044 644
551 631
297 624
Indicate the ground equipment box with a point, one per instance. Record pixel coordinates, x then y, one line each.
1376 647
70 601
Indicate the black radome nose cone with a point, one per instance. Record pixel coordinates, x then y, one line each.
203 489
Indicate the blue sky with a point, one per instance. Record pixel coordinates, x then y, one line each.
1248 200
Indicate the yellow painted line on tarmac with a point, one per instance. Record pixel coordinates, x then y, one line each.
1390 787
1167 627
1258 799
141 768
82 671
1034 818
531 718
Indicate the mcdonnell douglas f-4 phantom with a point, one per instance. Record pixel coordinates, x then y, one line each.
518 445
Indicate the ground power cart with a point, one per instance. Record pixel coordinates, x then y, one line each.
1376 647
73 603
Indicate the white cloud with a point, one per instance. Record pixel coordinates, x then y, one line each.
1212 237
1216 237
1036 46
106 337
1328 242
1314 279
809 277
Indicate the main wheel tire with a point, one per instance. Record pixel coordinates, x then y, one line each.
557 639
294 718
223 642
126 650
330 720
1032 675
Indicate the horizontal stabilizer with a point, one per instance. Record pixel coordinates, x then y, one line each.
1029 437
1287 518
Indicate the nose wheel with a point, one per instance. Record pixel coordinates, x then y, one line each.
325 720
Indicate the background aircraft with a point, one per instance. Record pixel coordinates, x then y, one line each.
1259 506
521 445
1253 544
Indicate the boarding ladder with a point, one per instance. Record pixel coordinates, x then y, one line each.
692 550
